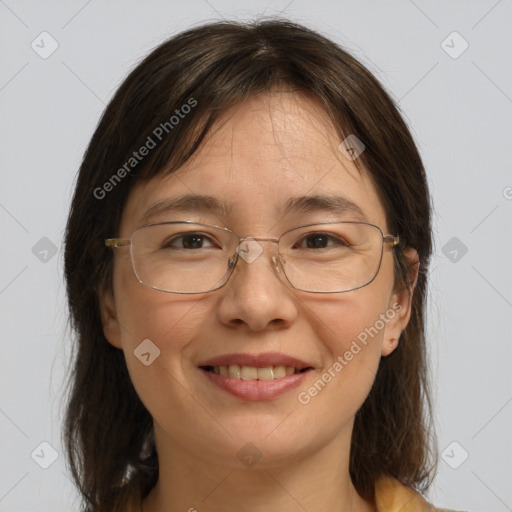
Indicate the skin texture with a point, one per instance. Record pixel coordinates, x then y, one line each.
265 151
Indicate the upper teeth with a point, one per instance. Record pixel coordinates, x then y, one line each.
253 373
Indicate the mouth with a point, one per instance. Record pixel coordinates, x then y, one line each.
235 371
256 377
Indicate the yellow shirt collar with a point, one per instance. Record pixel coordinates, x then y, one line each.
393 496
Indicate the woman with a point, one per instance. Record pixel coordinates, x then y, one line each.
246 263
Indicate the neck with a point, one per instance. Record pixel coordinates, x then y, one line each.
316 481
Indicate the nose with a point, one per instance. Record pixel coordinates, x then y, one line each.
257 295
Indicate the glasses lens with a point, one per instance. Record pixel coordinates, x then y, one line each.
333 257
186 257
182 257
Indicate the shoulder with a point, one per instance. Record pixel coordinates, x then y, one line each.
393 496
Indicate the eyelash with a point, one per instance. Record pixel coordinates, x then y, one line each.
205 237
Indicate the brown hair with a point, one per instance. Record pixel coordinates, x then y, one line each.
108 431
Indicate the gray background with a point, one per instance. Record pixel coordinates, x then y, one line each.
459 105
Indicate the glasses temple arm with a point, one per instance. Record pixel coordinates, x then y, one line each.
117 242
395 240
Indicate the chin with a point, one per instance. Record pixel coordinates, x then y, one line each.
258 444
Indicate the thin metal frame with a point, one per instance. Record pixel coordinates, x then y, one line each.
125 242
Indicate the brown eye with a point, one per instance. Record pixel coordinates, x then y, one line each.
188 241
319 241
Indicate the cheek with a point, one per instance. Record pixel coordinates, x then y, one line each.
171 322
351 331
165 318
159 324
343 323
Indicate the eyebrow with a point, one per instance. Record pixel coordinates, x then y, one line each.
339 205
208 204
187 203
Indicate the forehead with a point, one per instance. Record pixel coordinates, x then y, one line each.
256 160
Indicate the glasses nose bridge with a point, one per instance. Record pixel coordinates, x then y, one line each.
249 249
258 239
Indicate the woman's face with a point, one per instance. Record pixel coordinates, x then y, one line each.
271 149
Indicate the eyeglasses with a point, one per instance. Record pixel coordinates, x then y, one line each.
190 257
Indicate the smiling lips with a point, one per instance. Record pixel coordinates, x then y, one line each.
255 377
236 371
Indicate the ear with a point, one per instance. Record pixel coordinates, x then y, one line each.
108 312
400 306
